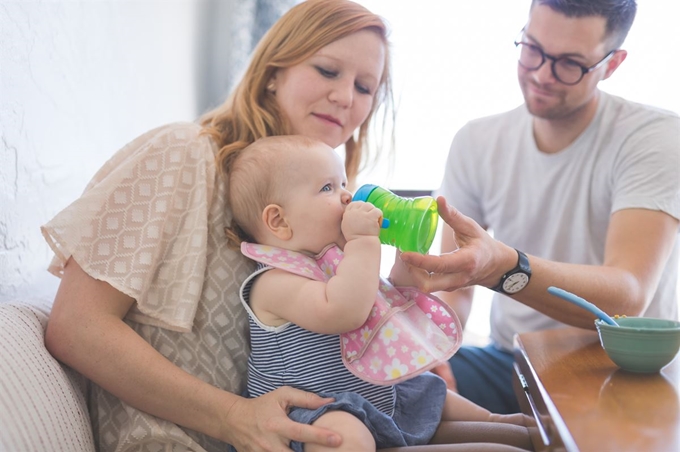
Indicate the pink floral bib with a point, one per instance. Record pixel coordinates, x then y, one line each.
407 333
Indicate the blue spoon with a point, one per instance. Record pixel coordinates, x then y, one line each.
578 301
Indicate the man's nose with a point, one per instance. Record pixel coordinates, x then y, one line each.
544 74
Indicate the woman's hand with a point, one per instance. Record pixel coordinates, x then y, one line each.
262 424
479 259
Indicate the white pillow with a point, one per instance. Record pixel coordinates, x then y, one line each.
42 403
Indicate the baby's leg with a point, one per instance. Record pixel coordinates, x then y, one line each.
458 408
355 435
490 435
474 424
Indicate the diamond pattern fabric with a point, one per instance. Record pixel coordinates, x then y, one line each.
151 223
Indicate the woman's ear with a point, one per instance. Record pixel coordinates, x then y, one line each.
275 222
271 84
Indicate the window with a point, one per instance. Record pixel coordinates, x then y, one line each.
456 61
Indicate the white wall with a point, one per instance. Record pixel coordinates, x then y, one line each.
79 79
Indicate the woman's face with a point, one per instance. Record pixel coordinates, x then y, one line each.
330 94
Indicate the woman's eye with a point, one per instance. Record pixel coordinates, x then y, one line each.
362 89
326 73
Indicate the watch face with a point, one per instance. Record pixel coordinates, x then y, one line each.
515 282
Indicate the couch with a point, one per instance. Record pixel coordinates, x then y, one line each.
42 403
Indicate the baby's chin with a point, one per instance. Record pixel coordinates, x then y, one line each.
315 251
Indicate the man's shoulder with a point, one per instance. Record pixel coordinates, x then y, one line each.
626 109
506 125
511 116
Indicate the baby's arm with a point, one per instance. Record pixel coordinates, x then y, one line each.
341 304
401 273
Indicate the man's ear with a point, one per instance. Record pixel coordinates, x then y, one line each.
615 62
275 222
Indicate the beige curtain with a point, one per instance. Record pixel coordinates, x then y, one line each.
228 32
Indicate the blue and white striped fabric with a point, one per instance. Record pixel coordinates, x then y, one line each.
288 355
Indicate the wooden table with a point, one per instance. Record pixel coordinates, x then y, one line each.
580 400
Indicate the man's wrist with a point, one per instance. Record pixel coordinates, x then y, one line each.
516 278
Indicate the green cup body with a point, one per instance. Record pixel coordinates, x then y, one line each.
412 221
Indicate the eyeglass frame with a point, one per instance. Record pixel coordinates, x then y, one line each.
545 56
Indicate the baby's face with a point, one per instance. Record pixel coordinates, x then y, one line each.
316 197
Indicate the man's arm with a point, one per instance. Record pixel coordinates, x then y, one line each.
638 244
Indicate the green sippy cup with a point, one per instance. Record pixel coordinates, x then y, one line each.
409 223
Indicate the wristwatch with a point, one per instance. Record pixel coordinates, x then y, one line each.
517 278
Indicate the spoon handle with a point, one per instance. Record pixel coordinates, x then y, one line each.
578 301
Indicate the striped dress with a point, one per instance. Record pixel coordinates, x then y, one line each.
288 355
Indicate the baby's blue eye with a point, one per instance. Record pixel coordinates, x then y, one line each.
326 187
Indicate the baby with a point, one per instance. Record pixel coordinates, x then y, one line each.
289 195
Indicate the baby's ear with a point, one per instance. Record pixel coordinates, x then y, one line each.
275 222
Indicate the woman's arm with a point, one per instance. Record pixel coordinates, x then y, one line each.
86 331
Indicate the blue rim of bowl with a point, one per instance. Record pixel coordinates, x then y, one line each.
599 323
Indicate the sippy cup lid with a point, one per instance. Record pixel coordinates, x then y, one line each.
364 192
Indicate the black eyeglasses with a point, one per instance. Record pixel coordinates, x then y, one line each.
565 70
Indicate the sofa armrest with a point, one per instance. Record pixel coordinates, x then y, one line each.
42 403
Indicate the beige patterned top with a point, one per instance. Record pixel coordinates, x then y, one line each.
151 224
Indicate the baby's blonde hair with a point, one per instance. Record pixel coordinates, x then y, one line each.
257 177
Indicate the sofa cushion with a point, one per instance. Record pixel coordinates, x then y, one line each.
42 403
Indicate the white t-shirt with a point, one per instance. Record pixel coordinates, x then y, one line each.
558 206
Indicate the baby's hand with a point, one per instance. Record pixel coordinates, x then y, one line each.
361 219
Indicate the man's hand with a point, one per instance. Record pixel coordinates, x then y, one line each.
479 260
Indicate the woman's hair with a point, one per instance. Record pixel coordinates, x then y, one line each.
251 112
258 176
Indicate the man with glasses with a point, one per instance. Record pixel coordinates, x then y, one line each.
580 188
